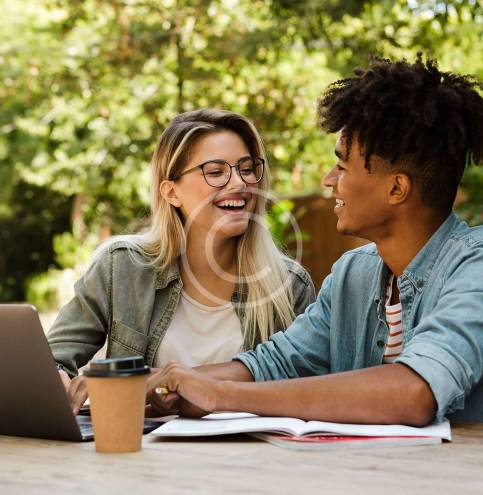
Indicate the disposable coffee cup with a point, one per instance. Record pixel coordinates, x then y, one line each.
117 396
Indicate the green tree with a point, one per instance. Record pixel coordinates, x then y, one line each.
88 86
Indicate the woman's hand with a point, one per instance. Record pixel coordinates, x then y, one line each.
65 380
77 393
191 393
76 390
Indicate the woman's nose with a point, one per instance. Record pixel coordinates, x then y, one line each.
235 179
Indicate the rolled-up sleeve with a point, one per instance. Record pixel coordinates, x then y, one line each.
302 350
446 348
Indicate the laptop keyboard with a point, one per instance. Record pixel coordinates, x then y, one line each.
87 432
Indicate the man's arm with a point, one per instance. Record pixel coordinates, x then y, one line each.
380 395
234 371
387 394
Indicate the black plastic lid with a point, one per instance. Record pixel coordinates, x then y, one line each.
117 367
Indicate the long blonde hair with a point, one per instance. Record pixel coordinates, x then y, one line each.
268 300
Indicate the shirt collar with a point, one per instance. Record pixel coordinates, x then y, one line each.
421 265
166 276
418 270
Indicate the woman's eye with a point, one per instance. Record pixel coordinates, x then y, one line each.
214 173
247 171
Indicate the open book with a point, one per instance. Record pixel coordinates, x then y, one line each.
297 429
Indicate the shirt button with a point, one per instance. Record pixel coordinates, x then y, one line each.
380 343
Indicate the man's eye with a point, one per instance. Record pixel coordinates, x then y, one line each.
340 168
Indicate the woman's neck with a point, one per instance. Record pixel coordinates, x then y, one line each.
208 269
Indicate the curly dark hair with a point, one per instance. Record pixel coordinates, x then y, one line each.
424 122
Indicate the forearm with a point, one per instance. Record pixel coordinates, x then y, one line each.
389 394
234 371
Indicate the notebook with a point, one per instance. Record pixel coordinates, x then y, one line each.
279 430
332 441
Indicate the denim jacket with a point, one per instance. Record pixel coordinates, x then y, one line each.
441 293
132 306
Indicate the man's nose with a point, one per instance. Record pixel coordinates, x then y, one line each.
330 179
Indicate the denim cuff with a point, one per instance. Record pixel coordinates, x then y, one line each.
448 394
250 361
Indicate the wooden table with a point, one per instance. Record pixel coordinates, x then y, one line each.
241 465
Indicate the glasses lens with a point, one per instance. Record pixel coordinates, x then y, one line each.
251 170
216 174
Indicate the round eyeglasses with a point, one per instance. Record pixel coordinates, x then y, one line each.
217 173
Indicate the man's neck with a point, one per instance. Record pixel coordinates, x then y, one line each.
406 238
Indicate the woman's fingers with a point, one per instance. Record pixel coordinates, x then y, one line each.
77 393
65 379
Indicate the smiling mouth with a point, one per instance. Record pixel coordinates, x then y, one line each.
339 203
232 204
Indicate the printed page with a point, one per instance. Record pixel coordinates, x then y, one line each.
440 430
227 423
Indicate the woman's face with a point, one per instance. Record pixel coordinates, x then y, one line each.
221 211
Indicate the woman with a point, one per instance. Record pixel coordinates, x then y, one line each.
207 279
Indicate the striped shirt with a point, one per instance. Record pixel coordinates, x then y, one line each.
394 344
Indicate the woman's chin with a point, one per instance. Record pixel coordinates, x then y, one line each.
233 228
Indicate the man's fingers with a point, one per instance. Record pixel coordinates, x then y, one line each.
162 405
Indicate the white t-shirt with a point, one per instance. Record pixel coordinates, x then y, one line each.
200 334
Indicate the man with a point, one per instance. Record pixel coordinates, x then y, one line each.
396 333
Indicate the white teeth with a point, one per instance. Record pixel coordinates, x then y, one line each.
339 203
232 202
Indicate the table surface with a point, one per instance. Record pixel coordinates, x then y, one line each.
241 465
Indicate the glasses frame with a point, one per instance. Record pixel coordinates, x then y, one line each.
201 166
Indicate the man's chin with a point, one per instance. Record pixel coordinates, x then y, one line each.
344 230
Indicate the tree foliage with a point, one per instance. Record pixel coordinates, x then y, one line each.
88 85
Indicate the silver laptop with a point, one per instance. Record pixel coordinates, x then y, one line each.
33 401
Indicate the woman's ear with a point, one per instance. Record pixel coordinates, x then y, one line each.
167 190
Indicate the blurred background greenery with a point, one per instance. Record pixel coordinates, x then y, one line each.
87 86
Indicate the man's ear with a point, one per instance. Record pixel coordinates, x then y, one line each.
401 188
167 190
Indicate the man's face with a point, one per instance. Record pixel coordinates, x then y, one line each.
361 196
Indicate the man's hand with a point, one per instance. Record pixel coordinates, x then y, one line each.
191 393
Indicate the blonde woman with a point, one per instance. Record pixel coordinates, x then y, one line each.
206 280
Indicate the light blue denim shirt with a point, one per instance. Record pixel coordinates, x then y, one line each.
441 293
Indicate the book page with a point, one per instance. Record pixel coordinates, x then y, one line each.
228 423
440 430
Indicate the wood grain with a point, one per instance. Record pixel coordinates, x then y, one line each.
241 465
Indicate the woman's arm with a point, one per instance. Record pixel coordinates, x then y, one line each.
81 327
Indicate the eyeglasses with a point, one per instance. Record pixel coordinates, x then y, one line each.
217 173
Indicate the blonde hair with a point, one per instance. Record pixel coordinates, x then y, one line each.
268 300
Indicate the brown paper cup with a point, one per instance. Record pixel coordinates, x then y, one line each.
117 410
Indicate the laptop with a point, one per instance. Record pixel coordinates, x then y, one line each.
33 401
